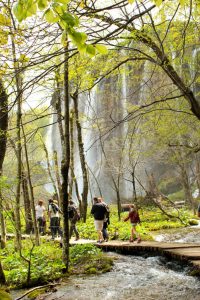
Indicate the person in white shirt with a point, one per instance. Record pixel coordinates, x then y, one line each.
40 216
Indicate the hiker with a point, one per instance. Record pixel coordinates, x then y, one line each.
134 219
40 216
73 218
106 220
98 211
54 216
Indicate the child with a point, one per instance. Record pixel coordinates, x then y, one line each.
134 219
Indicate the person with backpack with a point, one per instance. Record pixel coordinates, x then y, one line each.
106 220
54 216
74 216
98 211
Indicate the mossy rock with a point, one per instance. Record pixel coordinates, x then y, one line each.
4 295
91 270
33 295
193 222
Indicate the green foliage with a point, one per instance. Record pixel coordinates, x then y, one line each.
46 263
77 252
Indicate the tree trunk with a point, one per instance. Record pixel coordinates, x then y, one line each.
3 143
49 166
186 186
82 157
2 276
18 80
27 205
32 202
197 165
73 176
66 161
56 168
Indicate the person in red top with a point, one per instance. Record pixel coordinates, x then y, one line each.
134 218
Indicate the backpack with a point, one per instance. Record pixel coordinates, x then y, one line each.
71 212
54 208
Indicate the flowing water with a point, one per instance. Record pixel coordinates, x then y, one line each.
132 277
136 277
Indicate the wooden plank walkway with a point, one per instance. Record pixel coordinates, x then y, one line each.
187 252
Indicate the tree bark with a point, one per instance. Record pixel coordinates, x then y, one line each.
73 176
56 168
32 202
82 158
49 166
3 143
66 161
27 205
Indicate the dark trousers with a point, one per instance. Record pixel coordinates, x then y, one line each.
104 230
55 227
73 229
41 224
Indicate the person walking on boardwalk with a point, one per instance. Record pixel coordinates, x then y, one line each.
134 218
54 216
98 211
106 220
73 218
40 216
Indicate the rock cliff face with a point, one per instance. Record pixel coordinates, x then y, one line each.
113 142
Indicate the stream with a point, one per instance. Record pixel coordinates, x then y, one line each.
135 277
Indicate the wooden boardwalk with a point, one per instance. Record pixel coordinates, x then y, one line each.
187 252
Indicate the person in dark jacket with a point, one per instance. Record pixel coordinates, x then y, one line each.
134 218
73 218
106 220
98 211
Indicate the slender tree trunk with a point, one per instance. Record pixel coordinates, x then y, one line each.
49 166
197 165
18 80
186 186
27 205
134 188
3 143
73 176
2 275
56 168
32 202
71 151
3 225
82 157
66 162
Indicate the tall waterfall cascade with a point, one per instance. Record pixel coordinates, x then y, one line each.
111 152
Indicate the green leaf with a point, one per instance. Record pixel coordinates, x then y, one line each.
90 50
131 1
62 1
32 10
50 17
19 13
69 19
42 4
78 37
4 21
158 2
101 49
